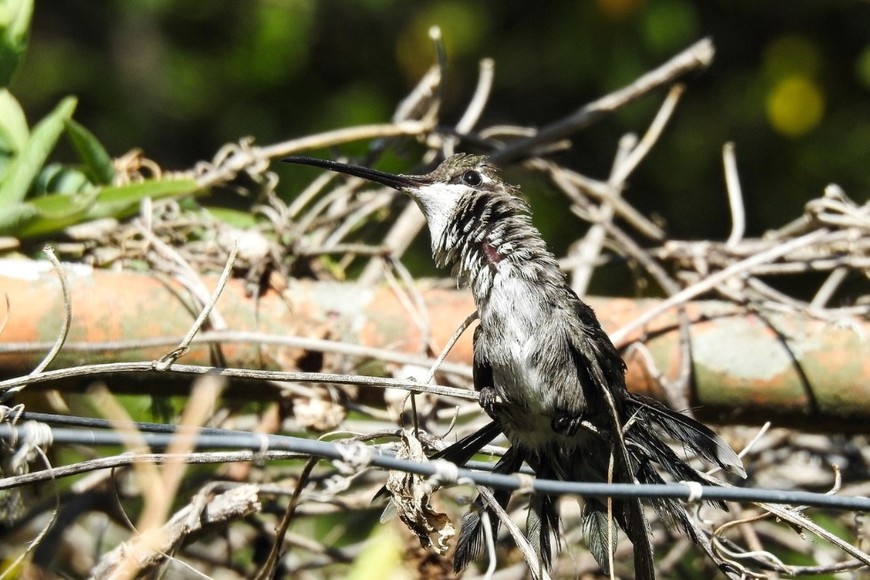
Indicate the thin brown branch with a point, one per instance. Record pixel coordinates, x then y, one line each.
697 56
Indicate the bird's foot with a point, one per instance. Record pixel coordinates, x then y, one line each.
489 400
566 423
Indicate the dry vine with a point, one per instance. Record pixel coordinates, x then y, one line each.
325 233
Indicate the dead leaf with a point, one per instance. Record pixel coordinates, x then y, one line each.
410 495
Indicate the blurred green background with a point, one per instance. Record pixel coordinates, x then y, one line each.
790 84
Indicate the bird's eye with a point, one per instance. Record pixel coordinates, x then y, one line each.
471 177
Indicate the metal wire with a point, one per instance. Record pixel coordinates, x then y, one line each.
159 436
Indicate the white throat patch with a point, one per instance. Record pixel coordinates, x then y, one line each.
438 203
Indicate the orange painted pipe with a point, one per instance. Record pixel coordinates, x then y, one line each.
787 368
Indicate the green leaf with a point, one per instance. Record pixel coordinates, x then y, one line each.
98 163
15 215
55 212
60 179
124 200
46 214
42 183
13 124
64 207
27 165
233 217
14 24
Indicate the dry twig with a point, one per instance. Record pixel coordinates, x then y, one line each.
325 233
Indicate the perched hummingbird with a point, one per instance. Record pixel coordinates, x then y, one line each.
548 375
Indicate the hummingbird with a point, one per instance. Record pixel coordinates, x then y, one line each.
548 376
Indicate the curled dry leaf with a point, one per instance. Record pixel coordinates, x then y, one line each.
318 415
410 495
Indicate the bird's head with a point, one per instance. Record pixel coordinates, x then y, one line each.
439 194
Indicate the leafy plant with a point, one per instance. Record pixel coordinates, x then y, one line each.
14 28
37 197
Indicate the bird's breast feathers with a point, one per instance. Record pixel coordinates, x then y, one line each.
517 323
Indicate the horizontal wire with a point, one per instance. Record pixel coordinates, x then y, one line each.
362 455
240 373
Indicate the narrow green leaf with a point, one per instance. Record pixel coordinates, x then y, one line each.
64 207
56 212
234 217
98 163
56 178
14 25
13 125
124 200
65 181
48 213
15 215
27 165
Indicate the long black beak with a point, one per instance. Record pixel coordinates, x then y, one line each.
400 182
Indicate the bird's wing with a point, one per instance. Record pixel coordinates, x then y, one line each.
472 536
601 372
692 434
481 370
464 449
636 449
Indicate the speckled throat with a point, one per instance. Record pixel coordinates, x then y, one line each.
492 231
